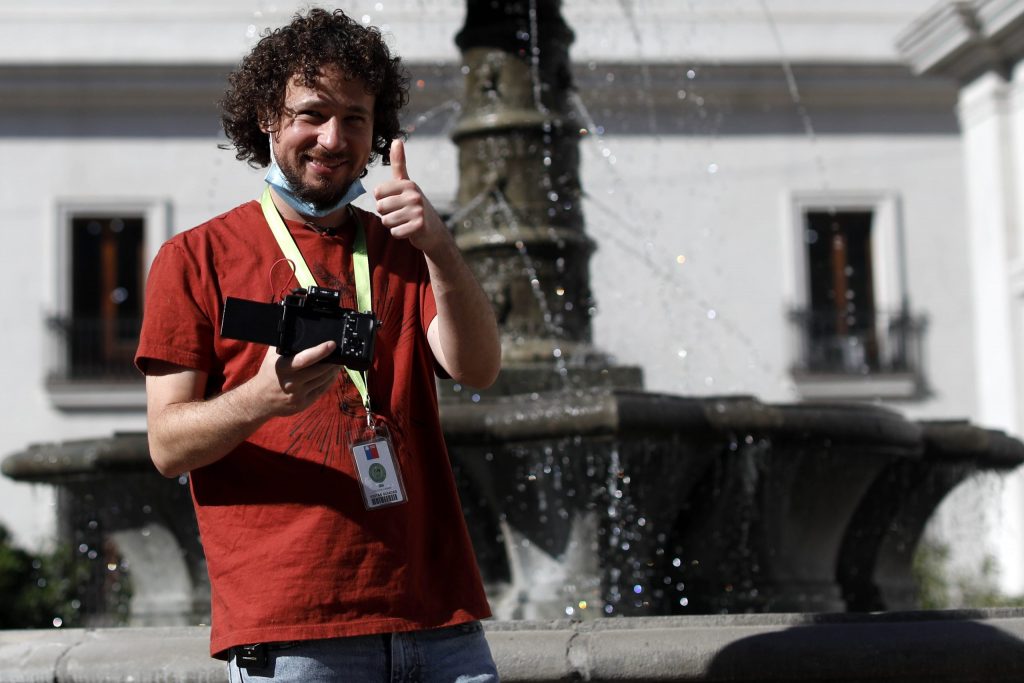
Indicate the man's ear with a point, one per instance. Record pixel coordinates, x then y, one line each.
268 124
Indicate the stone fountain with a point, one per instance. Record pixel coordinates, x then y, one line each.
586 495
610 500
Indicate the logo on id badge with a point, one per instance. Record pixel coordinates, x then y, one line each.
380 478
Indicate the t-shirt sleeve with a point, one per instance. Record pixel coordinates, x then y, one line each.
177 326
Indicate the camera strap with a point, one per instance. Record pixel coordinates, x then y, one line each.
360 267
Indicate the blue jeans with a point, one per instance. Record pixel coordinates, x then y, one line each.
456 654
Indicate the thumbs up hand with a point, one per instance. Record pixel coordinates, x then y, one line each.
405 210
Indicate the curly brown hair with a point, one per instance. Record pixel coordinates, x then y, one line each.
301 49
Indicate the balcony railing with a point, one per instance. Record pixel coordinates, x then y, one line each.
862 344
94 349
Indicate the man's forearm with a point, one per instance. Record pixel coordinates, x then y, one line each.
185 436
187 431
467 331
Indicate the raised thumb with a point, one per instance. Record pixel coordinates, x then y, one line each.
398 170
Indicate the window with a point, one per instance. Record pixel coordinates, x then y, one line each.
104 250
841 317
855 335
106 297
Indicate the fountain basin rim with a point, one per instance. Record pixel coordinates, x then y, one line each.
53 462
960 441
608 411
893 646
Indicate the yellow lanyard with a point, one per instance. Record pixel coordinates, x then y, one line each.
360 267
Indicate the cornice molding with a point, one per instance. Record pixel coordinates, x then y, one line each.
962 39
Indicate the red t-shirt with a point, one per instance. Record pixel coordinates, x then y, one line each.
291 551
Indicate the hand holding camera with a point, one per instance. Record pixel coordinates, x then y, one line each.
306 318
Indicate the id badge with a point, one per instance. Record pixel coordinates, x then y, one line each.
380 479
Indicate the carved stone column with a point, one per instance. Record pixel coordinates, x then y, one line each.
520 222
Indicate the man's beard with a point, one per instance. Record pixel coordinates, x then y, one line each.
319 197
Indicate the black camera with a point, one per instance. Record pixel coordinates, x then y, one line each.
304 319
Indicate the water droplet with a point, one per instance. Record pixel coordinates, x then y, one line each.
691 74
366 19
682 353
83 548
684 601
638 589
250 31
606 152
676 562
92 554
712 168
681 259
569 611
712 314
475 398
379 7
582 604
57 622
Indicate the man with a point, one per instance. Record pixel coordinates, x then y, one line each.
317 572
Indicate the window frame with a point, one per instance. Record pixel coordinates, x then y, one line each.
888 256
64 392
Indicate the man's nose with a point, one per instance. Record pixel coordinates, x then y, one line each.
330 137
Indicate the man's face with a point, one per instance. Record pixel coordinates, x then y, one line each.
324 136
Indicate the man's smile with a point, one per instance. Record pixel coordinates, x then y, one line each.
323 165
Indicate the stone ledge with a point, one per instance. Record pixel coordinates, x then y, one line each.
911 646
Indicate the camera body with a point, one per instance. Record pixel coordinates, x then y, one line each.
304 319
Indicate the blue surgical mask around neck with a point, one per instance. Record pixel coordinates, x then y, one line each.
275 177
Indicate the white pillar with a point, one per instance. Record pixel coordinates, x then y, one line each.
988 122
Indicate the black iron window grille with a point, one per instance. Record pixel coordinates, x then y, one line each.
856 345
